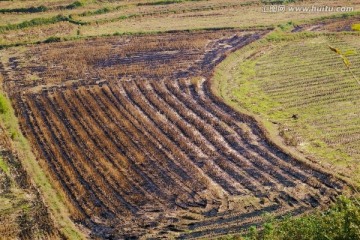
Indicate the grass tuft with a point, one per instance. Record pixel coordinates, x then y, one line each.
356 27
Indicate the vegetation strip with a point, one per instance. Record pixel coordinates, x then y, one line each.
52 197
246 85
39 22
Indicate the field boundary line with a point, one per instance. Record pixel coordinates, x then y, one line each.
271 136
52 198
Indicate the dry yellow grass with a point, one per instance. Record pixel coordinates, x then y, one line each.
128 17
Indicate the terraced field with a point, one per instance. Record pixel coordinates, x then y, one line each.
304 90
139 145
24 22
333 95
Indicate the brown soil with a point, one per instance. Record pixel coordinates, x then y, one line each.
129 129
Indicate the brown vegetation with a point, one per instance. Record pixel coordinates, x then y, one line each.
141 149
22 211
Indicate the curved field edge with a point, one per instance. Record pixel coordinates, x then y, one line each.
223 80
53 199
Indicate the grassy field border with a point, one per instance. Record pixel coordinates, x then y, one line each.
269 131
53 199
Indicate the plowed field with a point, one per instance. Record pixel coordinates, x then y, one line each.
131 134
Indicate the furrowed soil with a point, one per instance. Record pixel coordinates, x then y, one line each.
131 133
23 214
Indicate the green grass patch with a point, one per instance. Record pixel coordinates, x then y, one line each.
302 92
41 8
162 2
52 39
3 166
34 22
4 105
282 33
73 5
278 1
166 2
39 22
356 27
98 11
341 221
6 113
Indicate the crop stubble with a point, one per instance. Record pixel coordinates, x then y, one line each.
141 147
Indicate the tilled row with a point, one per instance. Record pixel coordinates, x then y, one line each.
147 153
145 156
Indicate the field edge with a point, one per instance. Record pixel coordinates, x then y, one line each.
271 133
52 199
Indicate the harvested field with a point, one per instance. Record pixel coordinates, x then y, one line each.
305 92
24 22
23 214
129 130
